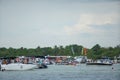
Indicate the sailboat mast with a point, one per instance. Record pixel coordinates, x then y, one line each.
72 50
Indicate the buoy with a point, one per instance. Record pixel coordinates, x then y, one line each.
112 68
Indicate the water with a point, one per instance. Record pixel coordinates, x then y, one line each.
66 72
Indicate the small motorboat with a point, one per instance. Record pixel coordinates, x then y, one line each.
41 66
17 66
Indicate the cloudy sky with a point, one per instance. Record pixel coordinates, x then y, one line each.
32 23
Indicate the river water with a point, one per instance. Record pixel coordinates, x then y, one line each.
66 72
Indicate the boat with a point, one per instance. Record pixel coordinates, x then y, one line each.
17 66
95 63
40 63
81 59
41 66
100 62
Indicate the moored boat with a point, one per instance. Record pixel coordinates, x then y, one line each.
17 66
41 66
95 63
100 62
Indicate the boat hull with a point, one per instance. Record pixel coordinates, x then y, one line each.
17 66
99 63
40 66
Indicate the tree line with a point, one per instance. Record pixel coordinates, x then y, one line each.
70 50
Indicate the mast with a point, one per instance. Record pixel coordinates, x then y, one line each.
72 50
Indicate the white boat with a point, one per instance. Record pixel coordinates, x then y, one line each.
96 63
17 66
99 62
81 59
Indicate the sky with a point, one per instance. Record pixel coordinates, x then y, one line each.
46 23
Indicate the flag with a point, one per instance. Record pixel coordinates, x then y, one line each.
85 51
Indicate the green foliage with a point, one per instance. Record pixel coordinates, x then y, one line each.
95 52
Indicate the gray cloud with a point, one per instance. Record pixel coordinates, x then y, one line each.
30 23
